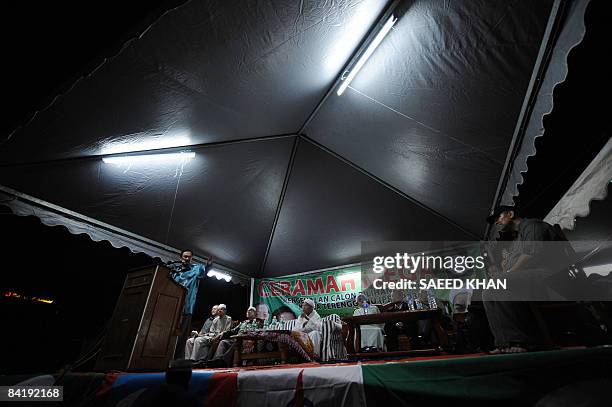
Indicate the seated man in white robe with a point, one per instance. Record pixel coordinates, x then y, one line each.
371 335
310 323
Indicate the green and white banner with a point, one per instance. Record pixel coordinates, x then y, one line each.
333 292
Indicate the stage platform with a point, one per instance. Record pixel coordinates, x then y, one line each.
550 378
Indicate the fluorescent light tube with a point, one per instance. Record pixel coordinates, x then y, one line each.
369 51
134 159
134 144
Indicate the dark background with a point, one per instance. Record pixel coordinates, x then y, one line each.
47 46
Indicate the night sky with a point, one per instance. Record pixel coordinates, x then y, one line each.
48 46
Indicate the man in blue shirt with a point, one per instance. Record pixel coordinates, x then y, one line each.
188 275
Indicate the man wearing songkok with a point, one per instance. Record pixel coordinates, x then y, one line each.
527 265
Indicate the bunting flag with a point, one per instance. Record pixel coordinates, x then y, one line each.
478 380
136 389
332 386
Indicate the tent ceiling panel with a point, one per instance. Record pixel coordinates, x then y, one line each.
227 204
428 166
226 197
207 71
435 107
330 207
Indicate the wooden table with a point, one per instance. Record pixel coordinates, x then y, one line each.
282 353
355 322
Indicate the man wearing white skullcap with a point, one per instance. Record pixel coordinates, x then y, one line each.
225 349
372 335
310 322
221 323
459 299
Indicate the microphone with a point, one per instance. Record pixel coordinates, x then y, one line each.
171 265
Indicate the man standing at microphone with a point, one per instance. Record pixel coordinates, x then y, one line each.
188 275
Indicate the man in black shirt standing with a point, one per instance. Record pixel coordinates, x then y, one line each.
525 265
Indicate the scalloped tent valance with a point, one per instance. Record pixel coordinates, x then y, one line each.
591 185
570 33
